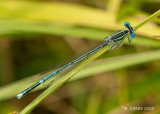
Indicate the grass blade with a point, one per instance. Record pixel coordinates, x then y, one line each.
157 13
96 67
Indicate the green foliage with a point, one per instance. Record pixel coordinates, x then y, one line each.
52 19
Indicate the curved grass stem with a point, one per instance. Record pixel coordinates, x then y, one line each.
157 13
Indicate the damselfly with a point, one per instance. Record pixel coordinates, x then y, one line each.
113 39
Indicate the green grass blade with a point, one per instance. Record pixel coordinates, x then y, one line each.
117 63
90 17
96 67
94 102
16 27
156 14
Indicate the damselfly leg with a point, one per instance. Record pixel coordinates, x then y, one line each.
120 44
129 40
114 45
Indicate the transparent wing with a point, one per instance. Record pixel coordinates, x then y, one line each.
72 65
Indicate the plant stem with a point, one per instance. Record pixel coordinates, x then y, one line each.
157 13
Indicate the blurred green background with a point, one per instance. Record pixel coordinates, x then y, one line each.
36 35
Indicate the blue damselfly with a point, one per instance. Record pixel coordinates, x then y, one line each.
112 39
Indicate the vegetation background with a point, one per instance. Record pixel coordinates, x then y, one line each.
35 35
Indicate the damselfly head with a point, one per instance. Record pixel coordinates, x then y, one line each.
130 29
